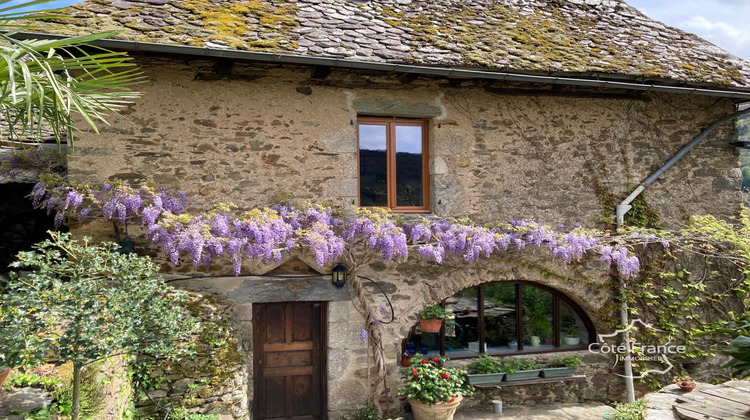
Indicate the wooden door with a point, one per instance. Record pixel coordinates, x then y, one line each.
288 360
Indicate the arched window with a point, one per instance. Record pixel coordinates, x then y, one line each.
504 319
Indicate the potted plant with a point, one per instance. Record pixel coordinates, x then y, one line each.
570 335
434 390
685 382
4 374
562 366
485 370
431 318
521 369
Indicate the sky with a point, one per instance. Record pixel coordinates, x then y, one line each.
725 23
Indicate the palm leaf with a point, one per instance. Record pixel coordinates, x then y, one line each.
43 82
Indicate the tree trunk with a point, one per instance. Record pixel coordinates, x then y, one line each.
76 391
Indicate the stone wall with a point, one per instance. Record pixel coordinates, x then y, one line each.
251 133
498 151
213 381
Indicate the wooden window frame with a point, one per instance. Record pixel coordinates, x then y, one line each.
391 123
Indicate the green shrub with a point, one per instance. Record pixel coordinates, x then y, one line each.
485 364
22 379
433 311
629 411
514 365
181 413
367 413
569 362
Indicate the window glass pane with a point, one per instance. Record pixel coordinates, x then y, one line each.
538 332
500 330
372 165
409 166
462 332
572 329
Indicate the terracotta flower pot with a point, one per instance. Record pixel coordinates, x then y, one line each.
687 387
4 375
430 325
439 411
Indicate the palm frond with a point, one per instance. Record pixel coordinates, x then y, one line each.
43 82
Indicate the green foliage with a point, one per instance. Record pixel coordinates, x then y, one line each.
45 413
144 375
82 303
569 361
485 364
367 413
631 411
214 361
514 365
181 413
433 311
738 328
45 82
430 381
31 379
641 214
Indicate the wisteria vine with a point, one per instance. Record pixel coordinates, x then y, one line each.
265 234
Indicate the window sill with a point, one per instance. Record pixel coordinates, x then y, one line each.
402 210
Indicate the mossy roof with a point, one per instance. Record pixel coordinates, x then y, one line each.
607 38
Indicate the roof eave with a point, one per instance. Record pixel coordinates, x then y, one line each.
137 46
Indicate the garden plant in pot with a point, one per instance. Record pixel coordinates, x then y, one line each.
685 382
431 318
521 369
485 369
434 390
562 366
570 335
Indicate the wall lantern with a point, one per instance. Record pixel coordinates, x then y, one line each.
339 276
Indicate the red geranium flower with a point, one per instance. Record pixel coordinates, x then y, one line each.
435 359
446 376
414 372
453 399
424 361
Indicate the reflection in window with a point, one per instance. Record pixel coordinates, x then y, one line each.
408 166
500 316
504 318
393 163
373 164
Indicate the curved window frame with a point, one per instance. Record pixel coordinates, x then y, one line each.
557 296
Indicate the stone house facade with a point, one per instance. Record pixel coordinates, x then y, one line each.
527 109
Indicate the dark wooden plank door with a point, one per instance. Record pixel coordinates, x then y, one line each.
288 360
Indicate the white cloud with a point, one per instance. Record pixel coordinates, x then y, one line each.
722 22
734 39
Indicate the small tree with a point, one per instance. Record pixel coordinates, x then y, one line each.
82 303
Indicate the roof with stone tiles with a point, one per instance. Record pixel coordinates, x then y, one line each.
605 38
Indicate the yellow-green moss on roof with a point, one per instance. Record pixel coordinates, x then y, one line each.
568 37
